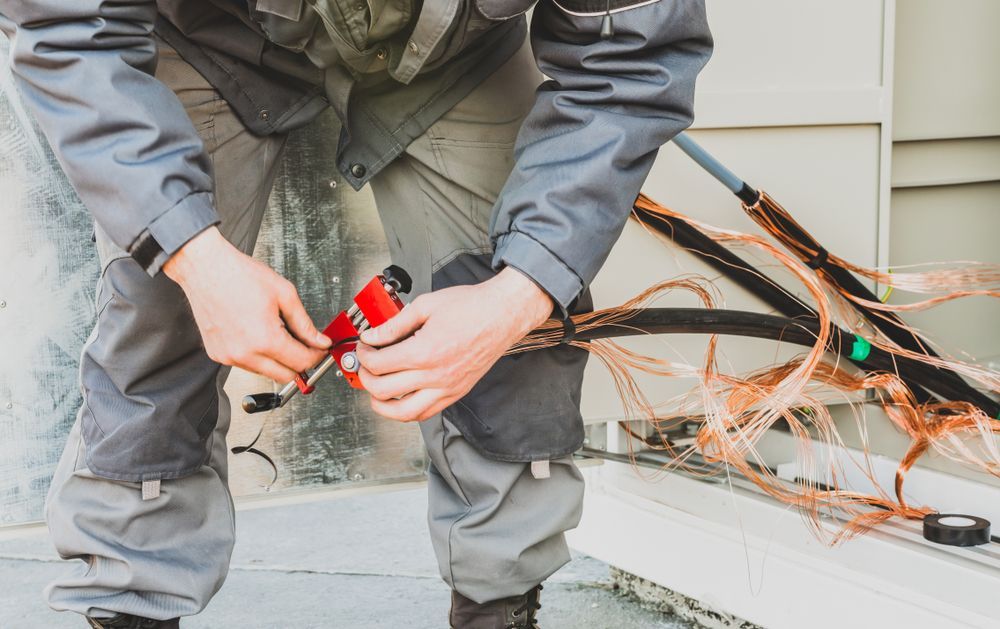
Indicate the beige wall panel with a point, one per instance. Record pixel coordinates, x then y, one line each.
945 162
785 62
794 45
826 176
947 83
943 224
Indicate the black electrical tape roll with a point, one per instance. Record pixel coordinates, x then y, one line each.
974 532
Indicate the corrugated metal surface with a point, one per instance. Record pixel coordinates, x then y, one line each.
47 271
321 235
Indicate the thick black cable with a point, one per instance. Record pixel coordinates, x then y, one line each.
802 332
726 262
743 273
888 323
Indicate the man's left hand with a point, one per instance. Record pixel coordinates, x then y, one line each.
433 352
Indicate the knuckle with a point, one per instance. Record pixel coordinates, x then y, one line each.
374 388
373 366
242 357
267 346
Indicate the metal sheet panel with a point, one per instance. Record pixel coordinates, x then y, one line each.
319 233
947 85
47 271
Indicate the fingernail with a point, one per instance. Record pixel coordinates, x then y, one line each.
368 337
323 340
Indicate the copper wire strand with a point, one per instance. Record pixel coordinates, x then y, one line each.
969 279
837 300
736 412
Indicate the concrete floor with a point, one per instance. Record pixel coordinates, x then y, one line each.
355 560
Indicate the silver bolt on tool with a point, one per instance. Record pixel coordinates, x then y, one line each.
349 362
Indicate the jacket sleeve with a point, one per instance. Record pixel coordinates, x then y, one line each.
588 144
85 69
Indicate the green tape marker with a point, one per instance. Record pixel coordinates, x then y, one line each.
860 349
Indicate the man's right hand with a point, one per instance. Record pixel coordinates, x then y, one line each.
249 316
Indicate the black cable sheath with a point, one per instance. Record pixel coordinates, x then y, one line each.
772 327
888 323
740 271
726 262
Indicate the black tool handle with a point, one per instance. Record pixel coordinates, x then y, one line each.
398 279
260 402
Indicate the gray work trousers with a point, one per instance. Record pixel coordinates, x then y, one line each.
496 530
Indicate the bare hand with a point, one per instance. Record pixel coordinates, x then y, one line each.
248 315
439 346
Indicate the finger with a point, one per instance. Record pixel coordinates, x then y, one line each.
298 321
290 353
410 354
408 321
411 408
269 368
396 385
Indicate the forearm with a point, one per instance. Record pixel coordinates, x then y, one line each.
589 142
85 68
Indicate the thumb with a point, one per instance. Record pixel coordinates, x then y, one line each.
408 321
298 321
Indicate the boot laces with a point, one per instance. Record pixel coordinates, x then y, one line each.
528 609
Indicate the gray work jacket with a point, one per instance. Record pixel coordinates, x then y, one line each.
85 68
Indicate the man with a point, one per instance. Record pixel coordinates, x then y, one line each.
169 119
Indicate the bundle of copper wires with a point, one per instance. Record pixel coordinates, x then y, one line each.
733 413
962 279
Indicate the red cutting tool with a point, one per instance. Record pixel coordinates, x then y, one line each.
374 304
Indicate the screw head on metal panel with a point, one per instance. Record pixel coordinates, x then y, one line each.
3 304
335 279
10 405
358 477
333 183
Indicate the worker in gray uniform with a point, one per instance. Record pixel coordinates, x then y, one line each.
501 194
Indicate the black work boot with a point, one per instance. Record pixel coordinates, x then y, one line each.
128 621
515 612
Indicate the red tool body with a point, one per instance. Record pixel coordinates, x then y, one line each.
374 304
377 302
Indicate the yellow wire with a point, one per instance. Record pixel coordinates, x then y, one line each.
885 297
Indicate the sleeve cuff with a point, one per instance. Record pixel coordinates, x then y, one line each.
530 257
175 227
